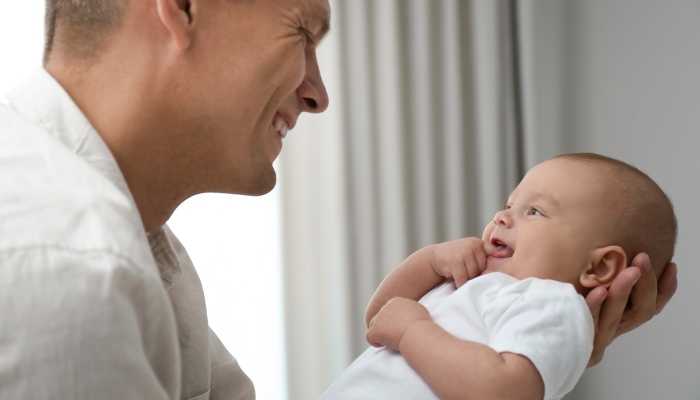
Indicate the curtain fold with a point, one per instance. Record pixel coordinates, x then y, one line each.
419 146
437 109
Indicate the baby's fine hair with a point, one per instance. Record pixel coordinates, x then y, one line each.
645 220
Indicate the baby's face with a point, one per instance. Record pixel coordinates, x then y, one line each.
553 221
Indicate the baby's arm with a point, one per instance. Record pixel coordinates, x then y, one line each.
449 365
461 259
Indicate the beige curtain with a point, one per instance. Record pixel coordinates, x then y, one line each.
422 143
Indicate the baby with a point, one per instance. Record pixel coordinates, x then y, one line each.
512 322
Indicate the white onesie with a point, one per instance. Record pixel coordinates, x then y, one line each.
546 321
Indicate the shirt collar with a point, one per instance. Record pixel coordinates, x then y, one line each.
41 99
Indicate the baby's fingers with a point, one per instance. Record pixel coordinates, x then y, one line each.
460 274
480 257
468 270
474 266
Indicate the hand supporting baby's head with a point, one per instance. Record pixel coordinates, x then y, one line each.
642 215
581 218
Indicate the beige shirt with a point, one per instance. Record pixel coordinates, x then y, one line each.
208 370
90 306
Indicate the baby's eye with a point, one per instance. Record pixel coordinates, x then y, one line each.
507 207
533 211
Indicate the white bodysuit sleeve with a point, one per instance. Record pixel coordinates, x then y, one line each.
547 322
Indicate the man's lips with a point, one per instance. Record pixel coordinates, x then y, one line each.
501 250
283 122
280 126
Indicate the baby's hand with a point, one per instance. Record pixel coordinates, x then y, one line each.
461 259
393 320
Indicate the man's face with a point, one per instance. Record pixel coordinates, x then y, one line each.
553 221
253 71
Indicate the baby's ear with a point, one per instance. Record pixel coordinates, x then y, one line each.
606 263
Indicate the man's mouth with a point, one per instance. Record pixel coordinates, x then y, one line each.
280 126
502 250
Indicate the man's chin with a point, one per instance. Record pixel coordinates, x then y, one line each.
261 184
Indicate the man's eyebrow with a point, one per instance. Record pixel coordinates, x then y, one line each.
325 28
325 18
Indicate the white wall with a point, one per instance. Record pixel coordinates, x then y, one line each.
21 41
234 242
627 81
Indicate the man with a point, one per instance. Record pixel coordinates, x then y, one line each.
142 104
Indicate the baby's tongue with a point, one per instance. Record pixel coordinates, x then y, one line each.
502 251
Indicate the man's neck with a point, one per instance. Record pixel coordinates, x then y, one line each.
122 104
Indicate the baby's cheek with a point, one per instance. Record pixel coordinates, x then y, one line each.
548 266
486 237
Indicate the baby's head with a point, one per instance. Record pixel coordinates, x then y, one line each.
581 218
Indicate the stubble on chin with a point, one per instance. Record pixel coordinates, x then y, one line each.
260 183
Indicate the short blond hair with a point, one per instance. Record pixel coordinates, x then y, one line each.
82 25
645 220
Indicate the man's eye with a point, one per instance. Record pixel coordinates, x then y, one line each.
308 36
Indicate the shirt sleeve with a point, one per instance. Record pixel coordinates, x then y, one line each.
549 324
83 325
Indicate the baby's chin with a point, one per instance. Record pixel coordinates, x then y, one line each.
491 268
496 264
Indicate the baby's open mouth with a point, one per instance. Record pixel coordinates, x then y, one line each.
502 250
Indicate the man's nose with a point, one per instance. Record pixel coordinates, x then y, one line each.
312 91
503 218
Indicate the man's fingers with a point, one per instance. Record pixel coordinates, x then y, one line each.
615 303
642 298
595 302
641 261
610 311
668 283
636 286
596 356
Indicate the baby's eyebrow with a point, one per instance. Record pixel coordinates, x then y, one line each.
547 197
537 196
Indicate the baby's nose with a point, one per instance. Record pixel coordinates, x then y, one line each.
503 218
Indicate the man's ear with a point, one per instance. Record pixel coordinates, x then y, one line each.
606 264
178 17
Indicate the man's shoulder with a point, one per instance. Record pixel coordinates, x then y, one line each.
51 197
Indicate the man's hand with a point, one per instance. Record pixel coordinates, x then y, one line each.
462 259
393 320
637 285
